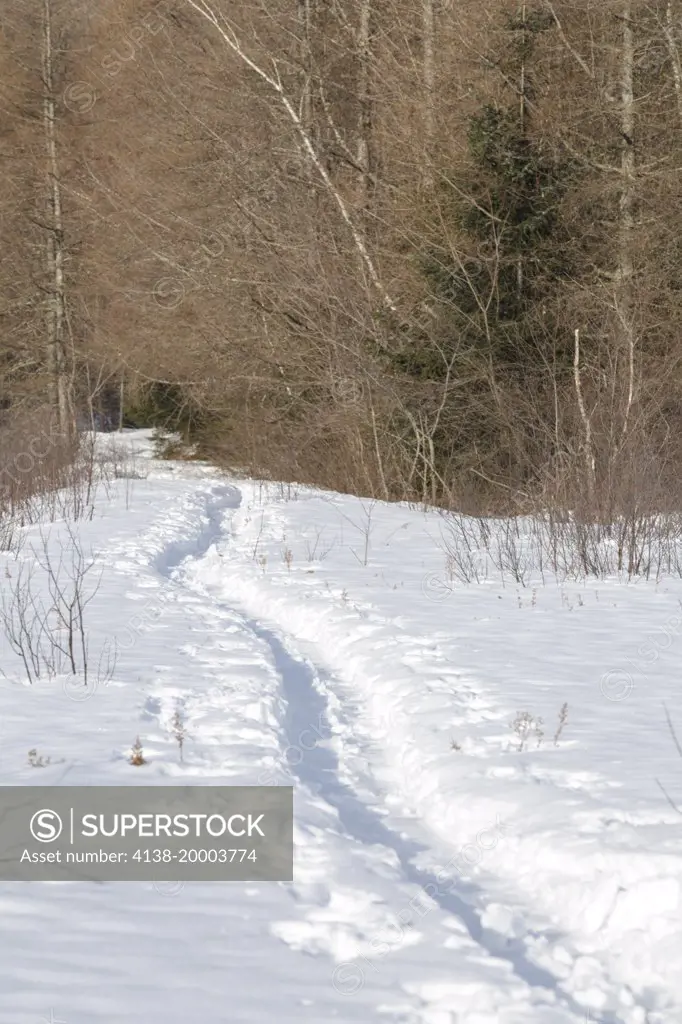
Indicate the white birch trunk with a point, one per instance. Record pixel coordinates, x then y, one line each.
674 53
272 79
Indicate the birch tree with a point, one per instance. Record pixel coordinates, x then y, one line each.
266 69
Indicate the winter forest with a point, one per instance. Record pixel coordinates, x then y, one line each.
340 470
422 251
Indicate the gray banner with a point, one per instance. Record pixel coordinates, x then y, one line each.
146 833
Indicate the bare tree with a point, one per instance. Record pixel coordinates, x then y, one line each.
365 35
624 297
273 79
56 303
428 51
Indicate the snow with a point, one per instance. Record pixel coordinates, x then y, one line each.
442 875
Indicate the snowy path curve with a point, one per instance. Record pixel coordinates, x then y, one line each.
421 912
326 708
432 886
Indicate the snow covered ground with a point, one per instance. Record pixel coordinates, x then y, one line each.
442 874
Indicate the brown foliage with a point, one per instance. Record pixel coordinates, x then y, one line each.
251 194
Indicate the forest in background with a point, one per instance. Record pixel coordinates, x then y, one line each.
421 250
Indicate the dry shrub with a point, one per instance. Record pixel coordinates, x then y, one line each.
44 475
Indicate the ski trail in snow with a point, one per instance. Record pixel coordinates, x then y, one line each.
213 503
319 769
342 917
307 701
354 701
306 687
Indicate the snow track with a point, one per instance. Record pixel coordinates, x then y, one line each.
364 931
424 880
321 717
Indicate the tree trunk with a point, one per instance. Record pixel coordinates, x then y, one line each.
306 106
428 57
55 326
674 52
523 113
273 80
624 298
366 103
